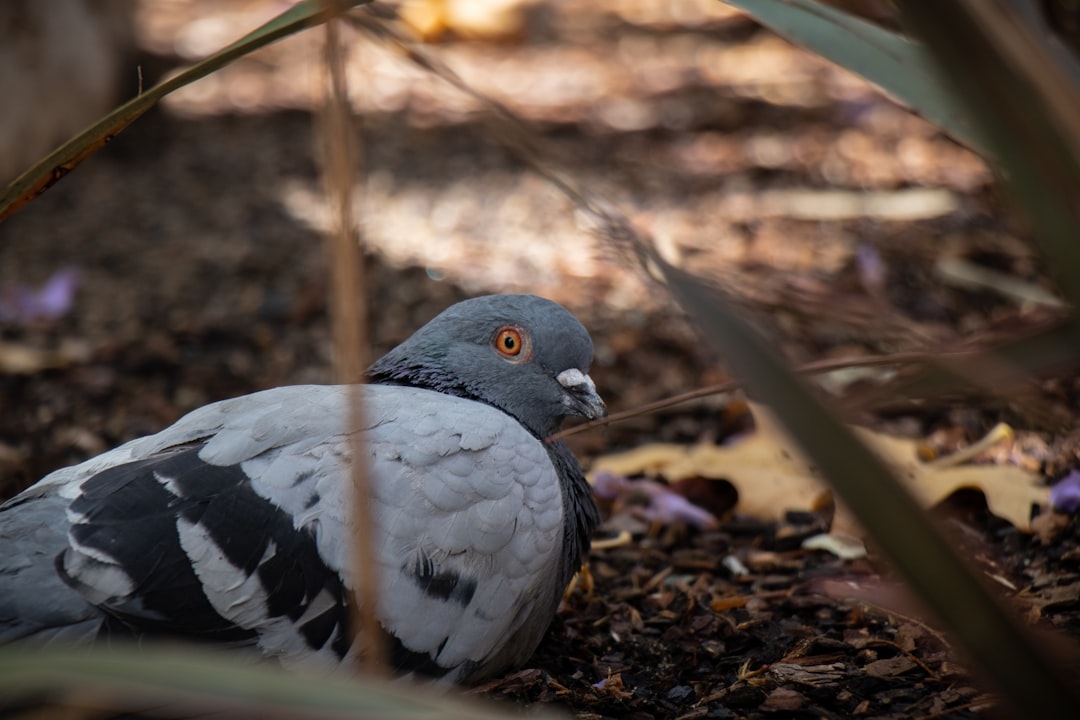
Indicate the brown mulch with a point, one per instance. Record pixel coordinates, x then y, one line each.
197 237
670 631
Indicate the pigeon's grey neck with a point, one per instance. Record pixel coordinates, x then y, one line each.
397 368
391 371
394 370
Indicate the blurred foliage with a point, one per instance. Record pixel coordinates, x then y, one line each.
986 75
888 59
991 64
178 681
50 169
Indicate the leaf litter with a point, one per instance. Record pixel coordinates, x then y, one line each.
772 478
721 142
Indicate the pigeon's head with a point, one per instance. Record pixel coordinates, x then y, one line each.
523 354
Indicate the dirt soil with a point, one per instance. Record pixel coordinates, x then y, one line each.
824 207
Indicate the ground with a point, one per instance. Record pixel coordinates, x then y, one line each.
821 205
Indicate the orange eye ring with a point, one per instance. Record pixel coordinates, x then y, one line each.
510 343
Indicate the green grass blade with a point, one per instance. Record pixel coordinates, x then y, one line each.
46 172
894 63
1028 106
1009 655
178 680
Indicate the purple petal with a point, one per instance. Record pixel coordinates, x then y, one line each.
52 300
1065 495
57 295
669 507
609 486
871 268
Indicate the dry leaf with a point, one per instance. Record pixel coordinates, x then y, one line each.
473 19
889 667
842 545
21 359
772 478
784 700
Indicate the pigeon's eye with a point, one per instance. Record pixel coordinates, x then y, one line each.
510 342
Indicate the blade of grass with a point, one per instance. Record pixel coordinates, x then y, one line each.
49 170
896 64
1029 109
1000 123
1024 359
811 368
992 637
348 303
186 680
1011 657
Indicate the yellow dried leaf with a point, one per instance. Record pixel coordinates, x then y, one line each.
473 19
772 477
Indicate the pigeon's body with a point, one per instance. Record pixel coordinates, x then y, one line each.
233 524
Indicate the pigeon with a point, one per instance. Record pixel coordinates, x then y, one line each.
232 526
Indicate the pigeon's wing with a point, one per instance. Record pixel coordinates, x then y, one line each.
127 542
35 600
233 525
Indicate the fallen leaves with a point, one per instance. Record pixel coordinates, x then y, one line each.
475 19
889 667
25 359
772 477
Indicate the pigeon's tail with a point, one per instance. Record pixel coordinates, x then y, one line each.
35 604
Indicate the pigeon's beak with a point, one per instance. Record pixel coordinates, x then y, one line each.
581 396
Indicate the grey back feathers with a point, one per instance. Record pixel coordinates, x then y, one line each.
233 525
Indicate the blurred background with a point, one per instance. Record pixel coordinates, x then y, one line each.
185 262
192 244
